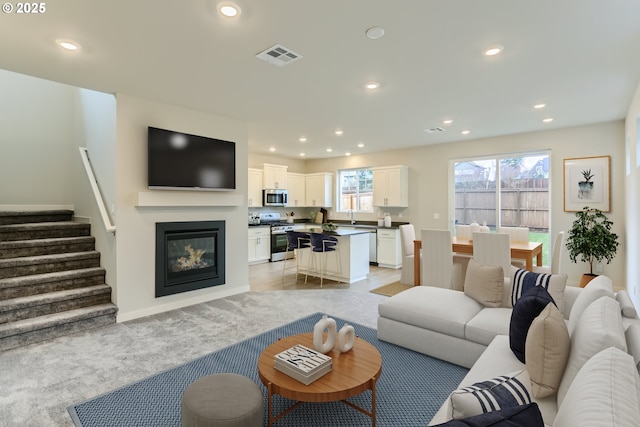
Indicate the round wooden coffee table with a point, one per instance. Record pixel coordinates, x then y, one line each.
352 373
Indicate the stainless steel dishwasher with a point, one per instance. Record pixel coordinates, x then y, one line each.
373 247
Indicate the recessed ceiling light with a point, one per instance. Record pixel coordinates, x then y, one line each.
375 32
493 51
302 139
302 154
339 132
447 122
548 120
329 150
539 106
466 132
360 145
272 149
347 154
229 9
372 85
68 45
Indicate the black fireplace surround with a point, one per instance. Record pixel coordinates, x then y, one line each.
189 256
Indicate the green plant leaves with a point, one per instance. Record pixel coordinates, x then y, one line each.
591 238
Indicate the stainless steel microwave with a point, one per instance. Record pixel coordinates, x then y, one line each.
274 197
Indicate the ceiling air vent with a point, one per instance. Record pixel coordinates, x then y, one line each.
279 55
434 130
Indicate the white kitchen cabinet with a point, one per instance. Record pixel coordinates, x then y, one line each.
389 252
275 176
319 189
254 198
391 186
296 189
259 244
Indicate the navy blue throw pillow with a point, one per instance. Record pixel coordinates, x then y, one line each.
516 416
526 309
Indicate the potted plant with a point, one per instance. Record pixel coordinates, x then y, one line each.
591 238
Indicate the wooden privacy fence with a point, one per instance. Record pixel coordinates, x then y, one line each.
527 207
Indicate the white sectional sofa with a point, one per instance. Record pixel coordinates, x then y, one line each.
452 326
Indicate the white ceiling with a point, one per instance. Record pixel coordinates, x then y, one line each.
580 57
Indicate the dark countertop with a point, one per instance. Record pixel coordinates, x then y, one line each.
364 225
339 232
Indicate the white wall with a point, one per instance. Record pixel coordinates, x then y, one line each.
293 165
632 193
95 129
135 238
429 170
36 165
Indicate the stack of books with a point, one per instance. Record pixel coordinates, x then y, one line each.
303 364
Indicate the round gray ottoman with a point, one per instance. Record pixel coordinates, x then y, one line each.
228 400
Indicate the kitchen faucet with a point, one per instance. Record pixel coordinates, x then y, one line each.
351 216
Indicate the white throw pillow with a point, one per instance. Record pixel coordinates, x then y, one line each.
546 351
599 327
484 283
523 280
626 305
606 392
598 287
633 342
492 395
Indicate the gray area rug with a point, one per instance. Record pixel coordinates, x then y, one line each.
411 389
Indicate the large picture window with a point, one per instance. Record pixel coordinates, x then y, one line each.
355 190
504 191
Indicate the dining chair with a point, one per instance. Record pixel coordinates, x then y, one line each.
557 251
407 236
493 249
517 234
437 264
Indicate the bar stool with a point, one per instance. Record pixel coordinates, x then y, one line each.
295 240
321 244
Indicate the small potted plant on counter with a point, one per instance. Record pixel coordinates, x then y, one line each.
591 239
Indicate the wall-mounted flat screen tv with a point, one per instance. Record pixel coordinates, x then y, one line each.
179 161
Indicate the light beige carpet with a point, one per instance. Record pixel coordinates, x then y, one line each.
391 289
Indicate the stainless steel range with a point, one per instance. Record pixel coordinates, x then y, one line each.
279 230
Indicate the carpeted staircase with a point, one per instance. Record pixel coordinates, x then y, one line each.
51 282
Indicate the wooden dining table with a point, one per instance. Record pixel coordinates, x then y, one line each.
519 250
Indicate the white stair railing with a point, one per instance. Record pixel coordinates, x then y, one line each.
84 154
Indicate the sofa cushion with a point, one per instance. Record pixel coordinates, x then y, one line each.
626 305
523 280
632 335
437 309
606 392
517 416
487 324
528 307
484 283
598 287
546 351
599 327
497 393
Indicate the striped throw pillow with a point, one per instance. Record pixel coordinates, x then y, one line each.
523 280
501 392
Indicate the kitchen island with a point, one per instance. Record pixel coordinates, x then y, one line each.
350 264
